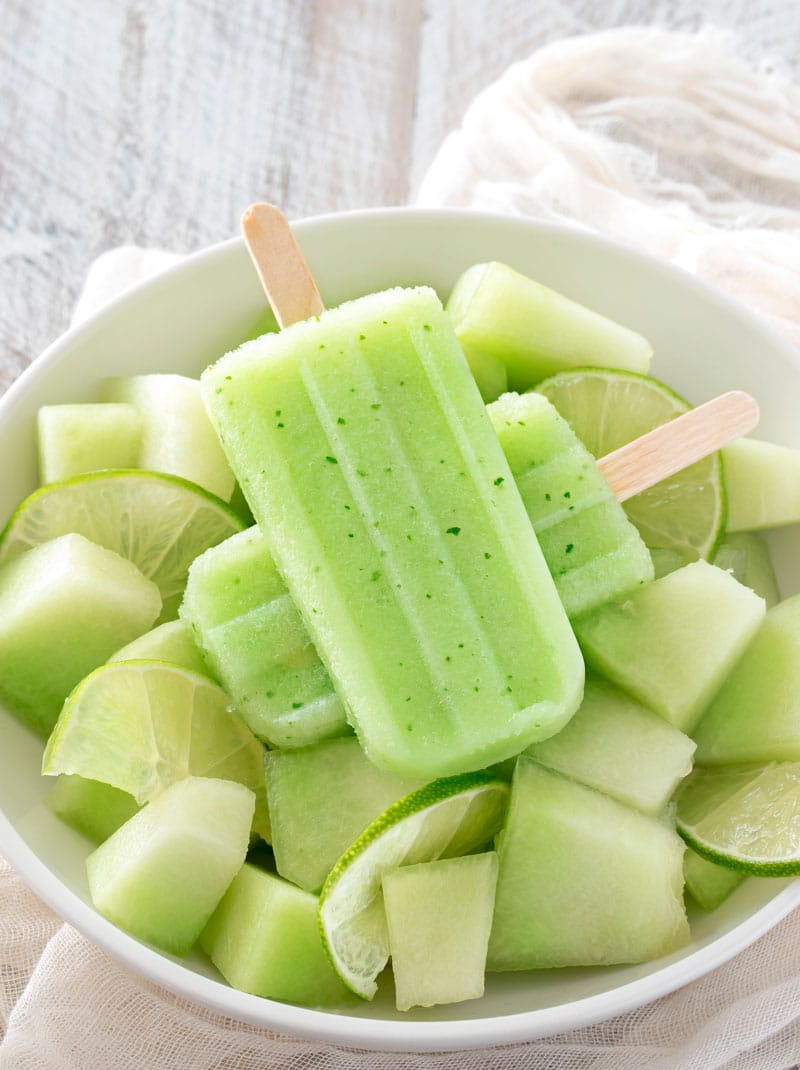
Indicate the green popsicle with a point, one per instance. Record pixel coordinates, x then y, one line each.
250 633
370 464
593 551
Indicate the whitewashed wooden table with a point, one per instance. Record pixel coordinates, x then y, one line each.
155 121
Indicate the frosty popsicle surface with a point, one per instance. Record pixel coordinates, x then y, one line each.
371 466
593 551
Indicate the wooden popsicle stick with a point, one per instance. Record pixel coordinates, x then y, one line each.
675 445
293 295
281 266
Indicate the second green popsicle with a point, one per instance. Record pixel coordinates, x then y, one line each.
371 466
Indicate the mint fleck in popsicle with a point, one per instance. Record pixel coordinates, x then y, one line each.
593 551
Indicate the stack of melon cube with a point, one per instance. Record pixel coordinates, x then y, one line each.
208 744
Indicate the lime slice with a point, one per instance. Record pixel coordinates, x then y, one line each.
448 817
142 725
159 522
744 817
684 514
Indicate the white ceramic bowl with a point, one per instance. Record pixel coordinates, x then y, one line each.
185 318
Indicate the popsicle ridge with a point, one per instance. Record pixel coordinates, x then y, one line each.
412 599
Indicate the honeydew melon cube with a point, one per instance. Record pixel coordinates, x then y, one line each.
438 916
65 607
177 436
264 939
499 314
755 715
320 799
252 637
74 439
747 557
161 874
171 642
708 883
671 643
583 880
762 481
619 747
90 806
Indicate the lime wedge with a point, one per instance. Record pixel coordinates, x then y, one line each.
160 522
744 817
142 725
684 514
448 817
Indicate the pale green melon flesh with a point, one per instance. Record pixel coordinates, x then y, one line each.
321 798
65 606
251 634
177 437
671 643
762 480
536 331
746 556
171 642
708 883
91 807
161 874
74 439
438 915
619 747
363 447
583 880
755 716
593 551
264 939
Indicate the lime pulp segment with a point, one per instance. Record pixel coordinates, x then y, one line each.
159 522
744 817
142 725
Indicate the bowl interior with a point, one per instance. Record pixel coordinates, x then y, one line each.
185 319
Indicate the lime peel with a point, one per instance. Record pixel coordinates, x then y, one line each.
450 816
745 818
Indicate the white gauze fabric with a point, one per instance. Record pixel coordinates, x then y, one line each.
665 141
662 140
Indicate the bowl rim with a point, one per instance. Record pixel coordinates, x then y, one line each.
328 1026
380 1034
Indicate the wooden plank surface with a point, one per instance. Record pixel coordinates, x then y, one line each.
156 122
